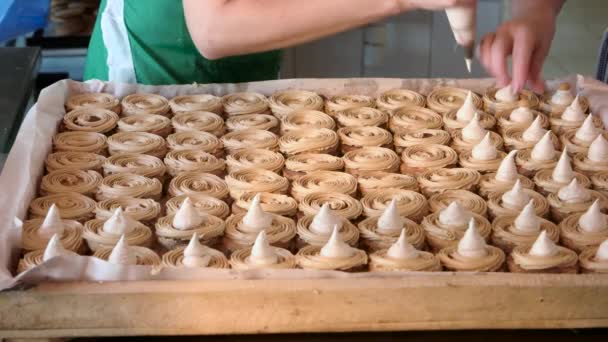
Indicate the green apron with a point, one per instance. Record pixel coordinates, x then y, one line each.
162 51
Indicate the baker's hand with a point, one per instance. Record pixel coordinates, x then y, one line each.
528 40
408 5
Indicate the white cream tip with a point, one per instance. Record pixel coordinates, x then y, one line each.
402 249
527 221
121 253
534 132
544 149
516 197
598 150
563 172
52 223
507 170
543 246
454 215
119 223
602 251
485 150
325 220
195 253
593 220
473 131
521 115
335 247
574 193
187 217
261 252
472 244
506 94
390 220
256 219
53 248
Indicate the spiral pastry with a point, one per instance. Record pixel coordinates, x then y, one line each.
193 160
577 239
74 161
353 138
340 103
306 236
309 257
414 119
504 122
93 100
529 167
250 138
129 185
71 205
420 158
466 160
144 210
199 121
436 181
280 233
209 232
145 104
96 120
498 208
139 164
369 159
245 103
197 103
175 258
319 140
561 209
150 123
80 142
323 181
545 184
452 124
202 141
97 238
204 204
396 98
405 139
467 199
306 119
409 203
587 166
379 261
599 180
574 144
506 237
526 98
560 126
445 99
30 260
514 140
70 180
255 180
439 235
459 144
379 180
239 260
137 142
453 261
144 256
372 239
255 158
189 183
590 264
263 122
362 116
284 102
277 204
341 204
521 261
488 184
300 164
71 237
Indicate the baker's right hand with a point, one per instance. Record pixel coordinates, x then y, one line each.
408 5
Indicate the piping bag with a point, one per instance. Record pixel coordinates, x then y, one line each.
463 21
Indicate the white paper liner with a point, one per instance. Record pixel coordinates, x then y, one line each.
25 165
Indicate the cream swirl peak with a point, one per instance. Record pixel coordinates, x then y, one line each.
195 254
121 254
574 193
468 109
402 249
563 97
472 244
256 219
598 150
563 172
506 95
54 248
527 221
587 132
390 220
521 115
602 251
325 221
593 220
485 150
507 170
574 112
473 131
119 223
52 223
261 252
187 216
336 248
544 149
535 132
454 215
543 246
516 197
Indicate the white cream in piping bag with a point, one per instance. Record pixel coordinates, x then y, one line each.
472 244
598 150
507 170
473 132
468 110
195 254
402 249
602 251
574 193
516 197
187 217
522 115
544 149
563 172
574 112
52 223
534 132
122 254
562 97
506 95
390 220
454 215
336 248
119 223
54 248
593 220
587 132
325 220
543 246
527 221
261 252
256 219
485 150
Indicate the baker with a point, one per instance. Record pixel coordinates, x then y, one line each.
228 41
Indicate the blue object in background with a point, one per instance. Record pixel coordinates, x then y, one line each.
18 17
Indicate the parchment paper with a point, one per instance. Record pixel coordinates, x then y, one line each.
25 165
